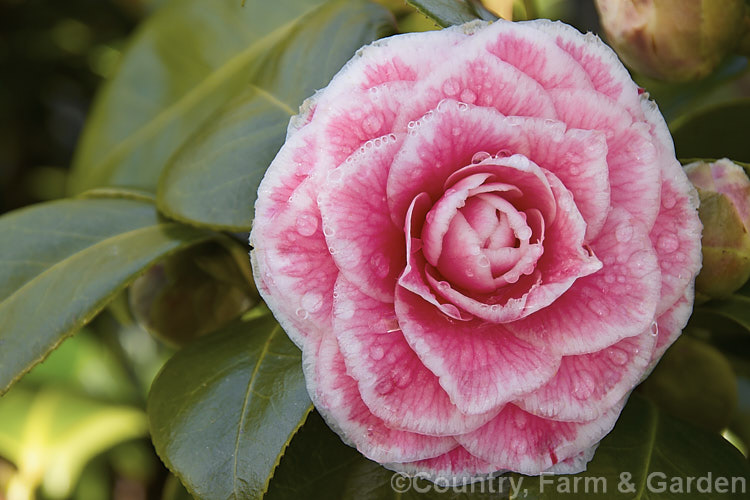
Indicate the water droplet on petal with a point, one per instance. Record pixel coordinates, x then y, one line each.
668 243
380 265
307 224
524 233
484 261
301 313
371 125
617 356
312 301
480 157
328 230
668 200
597 307
403 378
654 329
451 87
624 232
468 96
456 131
377 352
384 386
583 386
503 153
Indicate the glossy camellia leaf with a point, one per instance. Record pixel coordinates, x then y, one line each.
61 263
449 12
213 179
185 62
223 409
716 132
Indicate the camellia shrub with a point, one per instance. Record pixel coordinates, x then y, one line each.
387 263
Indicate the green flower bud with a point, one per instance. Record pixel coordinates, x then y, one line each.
672 40
724 191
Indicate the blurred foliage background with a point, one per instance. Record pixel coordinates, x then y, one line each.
75 427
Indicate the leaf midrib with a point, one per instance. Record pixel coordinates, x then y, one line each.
245 403
197 93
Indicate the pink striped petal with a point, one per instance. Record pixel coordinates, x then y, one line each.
587 385
392 381
521 442
600 63
614 303
671 322
366 246
537 56
481 366
479 81
336 397
453 468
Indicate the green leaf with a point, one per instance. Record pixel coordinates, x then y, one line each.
449 12
213 180
716 132
735 308
223 409
61 262
185 62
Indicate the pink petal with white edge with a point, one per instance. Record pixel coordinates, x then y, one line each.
392 381
366 246
474 78
480 366
454 468
671 322
521 442
617 302
406 57
442 142
677 231
631 155
578 158
346 124
588 385
601 64
575 464
291 254
537 56
336 397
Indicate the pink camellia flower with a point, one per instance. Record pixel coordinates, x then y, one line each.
482 241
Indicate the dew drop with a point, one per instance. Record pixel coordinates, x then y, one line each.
345 309
654 329
462 106
609 278
301 313
597 307
328 231
480 157
484 261
583 387
469 273
667 243
617 356
468 96
456 131
451 87
371 125
624 232
312 302
377 352
380 265
384 387
403 379
503 153
411 125
668 200
307 224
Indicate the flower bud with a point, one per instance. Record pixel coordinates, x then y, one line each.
673 40
724 191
